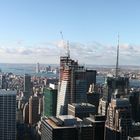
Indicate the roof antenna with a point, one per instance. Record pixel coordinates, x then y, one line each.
67 46
117 62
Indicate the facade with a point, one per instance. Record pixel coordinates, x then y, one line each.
135 129
93 98
133 138
134 99
81 110
73 82
90 77
3 82
72 85
119 121
65 127
7 115
41 106
98 123
34 116
111 84
50 101
27 86
26 113
37 68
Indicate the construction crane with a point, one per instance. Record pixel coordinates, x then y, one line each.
66 46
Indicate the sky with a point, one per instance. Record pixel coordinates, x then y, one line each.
30 31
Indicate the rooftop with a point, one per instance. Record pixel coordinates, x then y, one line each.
7 92
118 102
64 121
82 105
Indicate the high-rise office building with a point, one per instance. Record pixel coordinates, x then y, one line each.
72 84
37 68
111 84
93 96
81 110
98 123
134 98
118 124
65 127
50 101
3 82
7 115
90 77
27 86
26 113
34 115
135 129
41 105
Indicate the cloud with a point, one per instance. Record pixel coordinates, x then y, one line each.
49 52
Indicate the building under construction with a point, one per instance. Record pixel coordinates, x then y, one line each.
73 82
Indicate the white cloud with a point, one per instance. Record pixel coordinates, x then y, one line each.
90 53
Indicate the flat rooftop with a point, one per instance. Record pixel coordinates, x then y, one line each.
7 92
59 122
82 105
118 102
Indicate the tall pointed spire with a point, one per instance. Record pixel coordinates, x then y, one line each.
117 61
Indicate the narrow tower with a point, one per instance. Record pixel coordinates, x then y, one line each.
117 62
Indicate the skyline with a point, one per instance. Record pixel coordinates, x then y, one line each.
30 31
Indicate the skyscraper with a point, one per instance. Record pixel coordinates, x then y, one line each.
72 84
3 82
7 115
81 110
50 101
98 123
37 68
27 86
65 127
134 98
90 77
93 97
118 124
26 113
34 115
111 84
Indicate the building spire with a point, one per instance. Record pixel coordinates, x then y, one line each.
117 61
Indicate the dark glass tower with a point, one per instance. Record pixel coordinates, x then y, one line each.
27 86
7 115
50 102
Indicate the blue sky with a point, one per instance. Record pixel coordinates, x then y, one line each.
30 30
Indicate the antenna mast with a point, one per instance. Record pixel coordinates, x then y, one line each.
67 46
117 62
